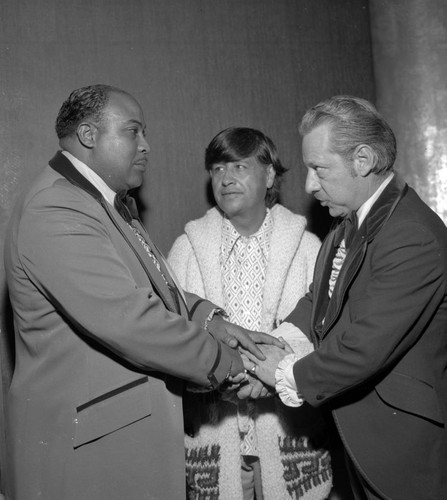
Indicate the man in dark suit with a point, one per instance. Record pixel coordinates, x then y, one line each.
376 312
104 337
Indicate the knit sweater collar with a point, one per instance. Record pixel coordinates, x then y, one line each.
230 236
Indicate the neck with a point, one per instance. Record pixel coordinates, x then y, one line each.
246 225
374 183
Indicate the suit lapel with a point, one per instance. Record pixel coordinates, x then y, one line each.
375 220
64 167
351 265
322 274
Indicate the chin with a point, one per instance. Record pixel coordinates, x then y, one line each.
136 183
337 212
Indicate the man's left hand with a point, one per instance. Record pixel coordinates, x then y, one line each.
265 369
235 336
254 389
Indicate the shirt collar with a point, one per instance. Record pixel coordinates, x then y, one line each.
230 235
92 177
363 211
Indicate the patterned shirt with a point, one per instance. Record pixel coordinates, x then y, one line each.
243 263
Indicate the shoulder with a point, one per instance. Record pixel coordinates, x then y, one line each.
411 222
413 210
196 231
206 229
284 217
180 248
52 199
209 220
50 189
289 224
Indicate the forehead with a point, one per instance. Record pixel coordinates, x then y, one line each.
250 161
123 108
316 144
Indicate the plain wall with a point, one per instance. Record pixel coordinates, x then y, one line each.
196 67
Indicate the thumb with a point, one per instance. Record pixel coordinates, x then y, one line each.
230 341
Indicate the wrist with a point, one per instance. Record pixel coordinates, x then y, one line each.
285 384
217 311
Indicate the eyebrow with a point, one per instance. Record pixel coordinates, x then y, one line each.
137 122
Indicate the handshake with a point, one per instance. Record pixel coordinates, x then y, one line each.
261 354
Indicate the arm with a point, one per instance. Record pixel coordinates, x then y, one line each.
68 250
181 257
392 301
395 301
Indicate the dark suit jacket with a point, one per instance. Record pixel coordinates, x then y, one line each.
95 410
381 358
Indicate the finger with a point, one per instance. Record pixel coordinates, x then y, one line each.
287 347
231 341
264 392
231 388
239 378
265 338
247 358
256 389
244 392
247 343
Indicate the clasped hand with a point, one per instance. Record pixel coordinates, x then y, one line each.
264 369
252 346
258 381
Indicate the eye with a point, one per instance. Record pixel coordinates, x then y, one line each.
217 169
240 166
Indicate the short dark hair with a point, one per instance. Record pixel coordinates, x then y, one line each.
237 143
82 103
354 121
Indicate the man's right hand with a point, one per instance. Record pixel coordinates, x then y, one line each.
237 336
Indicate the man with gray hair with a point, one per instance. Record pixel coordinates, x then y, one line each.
376 311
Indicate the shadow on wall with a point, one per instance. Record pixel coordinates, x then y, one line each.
7 351
6 367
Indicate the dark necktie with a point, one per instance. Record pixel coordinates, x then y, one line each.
346 230
127 208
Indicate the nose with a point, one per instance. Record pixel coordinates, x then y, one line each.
312 183
228 176
143 146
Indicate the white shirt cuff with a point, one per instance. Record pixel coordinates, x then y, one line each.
285 382
216 310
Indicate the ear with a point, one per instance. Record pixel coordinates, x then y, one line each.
364 159
270 176
86 133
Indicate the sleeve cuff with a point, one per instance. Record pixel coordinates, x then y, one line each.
216 310
285 382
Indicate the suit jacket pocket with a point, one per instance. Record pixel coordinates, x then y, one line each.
112 411
410 395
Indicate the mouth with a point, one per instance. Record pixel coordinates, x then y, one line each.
141 164
229 193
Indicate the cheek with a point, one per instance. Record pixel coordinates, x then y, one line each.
215 185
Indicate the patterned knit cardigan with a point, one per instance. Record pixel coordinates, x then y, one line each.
291 466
